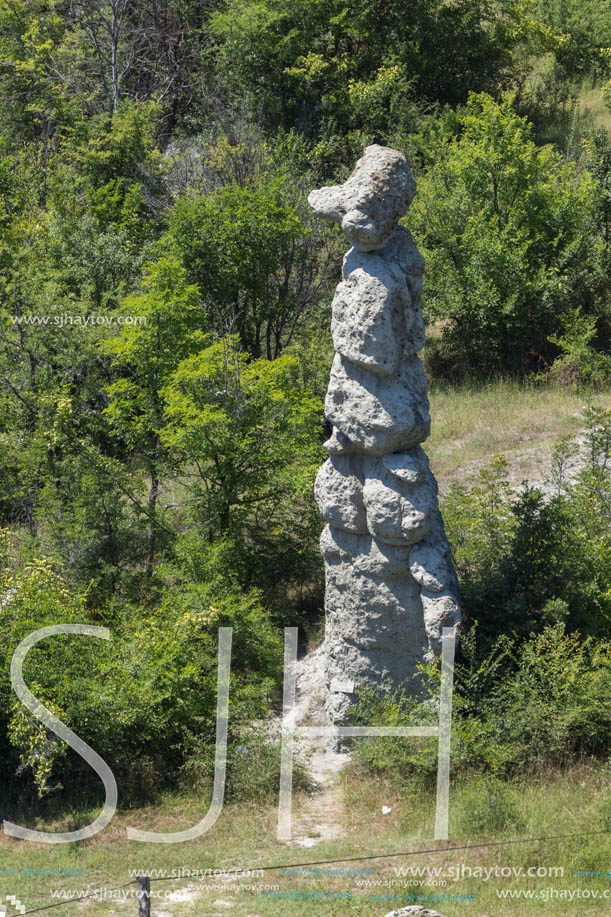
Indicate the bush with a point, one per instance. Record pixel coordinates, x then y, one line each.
248 248
519 708
553 708
252 435
411 762
508 231
580 364
327 67
137 698
524 560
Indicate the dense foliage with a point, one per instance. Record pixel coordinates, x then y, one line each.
164 342
533 676
511 241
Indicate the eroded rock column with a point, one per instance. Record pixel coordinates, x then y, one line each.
390 582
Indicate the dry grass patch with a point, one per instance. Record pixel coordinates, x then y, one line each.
470 425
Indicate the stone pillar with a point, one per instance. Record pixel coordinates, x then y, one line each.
390 582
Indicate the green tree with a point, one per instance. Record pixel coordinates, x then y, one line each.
508 231
583 29
249 250
34 102
140 699
105 202
161 328
335 66
252 435
64 63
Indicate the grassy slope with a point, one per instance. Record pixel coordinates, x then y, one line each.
471 425
592 110
245 836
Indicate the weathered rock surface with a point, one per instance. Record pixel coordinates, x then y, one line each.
369 205
398 511
376 413
390 582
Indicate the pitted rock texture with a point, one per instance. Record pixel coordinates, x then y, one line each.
390 581
369 205
376 413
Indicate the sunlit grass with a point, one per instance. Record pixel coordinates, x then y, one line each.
592 110
576 803
470 424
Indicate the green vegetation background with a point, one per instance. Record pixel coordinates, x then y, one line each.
164 351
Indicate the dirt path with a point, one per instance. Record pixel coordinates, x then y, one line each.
320 816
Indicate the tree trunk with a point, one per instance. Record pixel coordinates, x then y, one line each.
152 506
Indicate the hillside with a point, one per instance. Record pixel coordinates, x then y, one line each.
165 349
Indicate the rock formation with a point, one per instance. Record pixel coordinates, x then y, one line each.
390 582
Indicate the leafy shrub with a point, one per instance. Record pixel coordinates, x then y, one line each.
507 229
305 65
518 708
554 707
580 363
40 751
581 33
523 558
412 762
253 435
136 698
248 249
